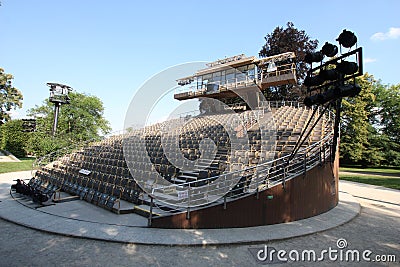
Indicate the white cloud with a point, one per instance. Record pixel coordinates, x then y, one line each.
393 33
369 60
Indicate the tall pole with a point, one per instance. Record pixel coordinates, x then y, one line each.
56 111
336 128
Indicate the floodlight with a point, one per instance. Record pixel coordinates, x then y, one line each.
313 80
347 67
346 90
329 50
313 57
329 75
347 39
349 90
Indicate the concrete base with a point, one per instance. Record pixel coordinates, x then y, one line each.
84 220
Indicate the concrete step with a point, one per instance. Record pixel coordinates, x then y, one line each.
144 211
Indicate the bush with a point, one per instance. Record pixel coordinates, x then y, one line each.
13 139
41 144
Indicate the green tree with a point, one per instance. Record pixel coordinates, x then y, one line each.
387 117
289 39
356 128
41 143
14 138
10 97
81 120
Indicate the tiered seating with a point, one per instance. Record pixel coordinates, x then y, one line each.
99 173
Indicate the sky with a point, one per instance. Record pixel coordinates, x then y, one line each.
111 48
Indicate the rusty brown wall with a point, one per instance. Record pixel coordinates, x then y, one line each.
308 195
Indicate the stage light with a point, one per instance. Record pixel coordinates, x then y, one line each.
347 39
312 100
324 75
313 57
329 50
346 90
347 67
349 90
329 75
322 98
313 81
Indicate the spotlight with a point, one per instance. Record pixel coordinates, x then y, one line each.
313 81
347 67
313 57
329 75
347 39
312 100
329 49
349 90
322 98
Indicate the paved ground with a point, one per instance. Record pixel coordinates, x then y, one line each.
377 228
5 158
81 219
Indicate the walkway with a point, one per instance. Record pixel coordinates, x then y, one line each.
7 158
377 228
81 219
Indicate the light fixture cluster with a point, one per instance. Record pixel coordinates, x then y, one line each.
332 77
59 93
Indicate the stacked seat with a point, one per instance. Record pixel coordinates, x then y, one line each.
105 172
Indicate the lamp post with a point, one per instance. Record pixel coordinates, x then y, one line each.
58 96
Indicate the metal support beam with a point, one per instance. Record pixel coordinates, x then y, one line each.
336 129
56 112
151 212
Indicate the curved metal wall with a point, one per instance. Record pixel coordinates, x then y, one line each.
303 196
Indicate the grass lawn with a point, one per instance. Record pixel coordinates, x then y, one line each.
386 181
24 165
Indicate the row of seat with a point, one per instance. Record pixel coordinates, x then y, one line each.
144 151
106 192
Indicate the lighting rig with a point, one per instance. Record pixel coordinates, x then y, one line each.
58 96
330 81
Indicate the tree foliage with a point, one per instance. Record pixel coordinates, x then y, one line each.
81 120
371 125
289 39
387 116
10 97
355 122
13 139
42 144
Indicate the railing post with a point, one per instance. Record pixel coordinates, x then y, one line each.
257 179
151 212
225 202
284 173
188 207
324 153
320 155
305 163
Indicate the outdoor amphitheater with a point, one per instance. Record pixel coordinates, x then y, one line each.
229 165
